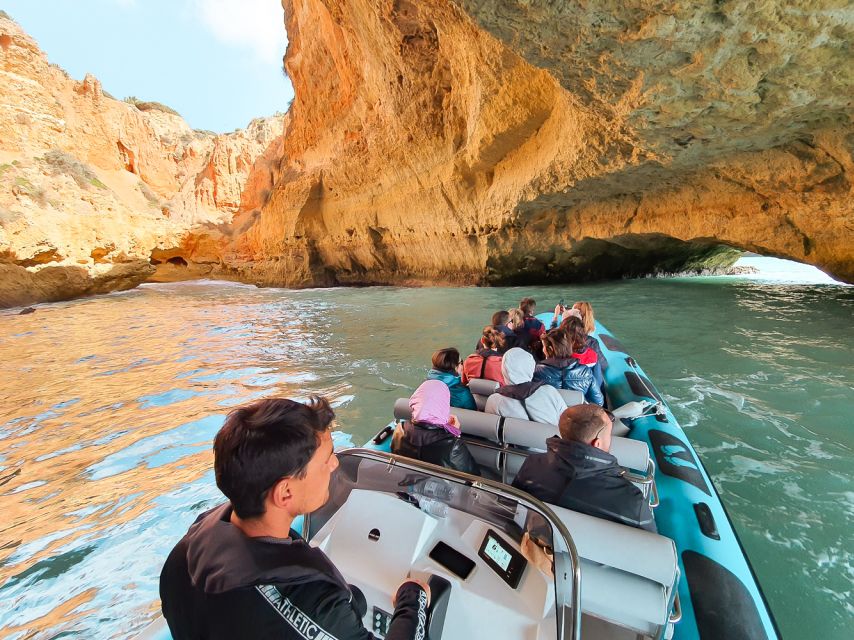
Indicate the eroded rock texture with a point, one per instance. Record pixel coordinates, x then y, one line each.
94 191
498 141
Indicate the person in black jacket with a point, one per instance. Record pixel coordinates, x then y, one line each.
433 434
578 473
241 571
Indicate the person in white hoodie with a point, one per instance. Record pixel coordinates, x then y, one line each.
521 397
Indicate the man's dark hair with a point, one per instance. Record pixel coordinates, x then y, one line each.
500 318
527 306
582 422
446 360
262 442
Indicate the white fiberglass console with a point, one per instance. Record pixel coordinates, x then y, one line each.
376 539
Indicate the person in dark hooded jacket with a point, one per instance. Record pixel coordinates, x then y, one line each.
578 472
241 571
564 368
432 434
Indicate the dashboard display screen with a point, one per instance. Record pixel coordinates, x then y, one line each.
503 558
496 553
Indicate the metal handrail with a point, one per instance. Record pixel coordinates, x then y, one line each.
674 608
649 479
561 575
676 614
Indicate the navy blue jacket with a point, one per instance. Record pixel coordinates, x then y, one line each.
569 373
583 478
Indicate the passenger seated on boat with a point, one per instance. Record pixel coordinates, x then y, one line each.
533 327
521 338
486 362
570 325
447 369
578 472
561 314
433 434
589 321
241 571
500 321
568 362
521 396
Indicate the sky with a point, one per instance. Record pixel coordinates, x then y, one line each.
216 62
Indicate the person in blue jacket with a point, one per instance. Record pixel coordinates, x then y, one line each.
446 368
565 369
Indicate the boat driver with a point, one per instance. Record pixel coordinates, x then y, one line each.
578 472
241 571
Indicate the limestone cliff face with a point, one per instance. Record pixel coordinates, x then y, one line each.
498 141
94 191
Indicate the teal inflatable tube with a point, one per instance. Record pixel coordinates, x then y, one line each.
718 590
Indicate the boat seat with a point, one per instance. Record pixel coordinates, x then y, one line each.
481 389
571 397
628 574
472 423
632 454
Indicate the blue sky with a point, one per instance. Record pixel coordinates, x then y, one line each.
217 62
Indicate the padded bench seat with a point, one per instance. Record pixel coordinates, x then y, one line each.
632 454
481 389
627 575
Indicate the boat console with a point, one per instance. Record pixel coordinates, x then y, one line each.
390 517
506 563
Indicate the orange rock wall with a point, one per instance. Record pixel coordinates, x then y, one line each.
94 191
508 141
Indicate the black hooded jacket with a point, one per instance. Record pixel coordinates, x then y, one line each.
220 584
435 445
583 478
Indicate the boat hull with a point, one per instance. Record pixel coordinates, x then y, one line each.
719 593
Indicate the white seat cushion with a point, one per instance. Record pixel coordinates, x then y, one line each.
627 574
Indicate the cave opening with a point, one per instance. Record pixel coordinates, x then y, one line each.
177 261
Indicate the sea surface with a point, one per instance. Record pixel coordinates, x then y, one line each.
108 407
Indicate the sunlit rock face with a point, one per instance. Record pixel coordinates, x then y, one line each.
91 187
510 141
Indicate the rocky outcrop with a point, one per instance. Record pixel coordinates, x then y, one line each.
91 187
508 141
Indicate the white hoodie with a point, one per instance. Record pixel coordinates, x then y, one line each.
544 405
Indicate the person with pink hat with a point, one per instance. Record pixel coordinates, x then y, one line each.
433 434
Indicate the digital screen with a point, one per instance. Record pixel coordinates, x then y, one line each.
495 552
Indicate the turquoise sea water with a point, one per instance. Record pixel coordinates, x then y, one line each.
109 406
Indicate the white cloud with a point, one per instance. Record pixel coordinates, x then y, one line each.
257 25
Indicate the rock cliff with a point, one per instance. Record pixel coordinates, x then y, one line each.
97 194
511 141
450 141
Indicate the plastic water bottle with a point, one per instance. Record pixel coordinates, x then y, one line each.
433 507
433 488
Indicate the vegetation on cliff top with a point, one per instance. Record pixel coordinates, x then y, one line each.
144 105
